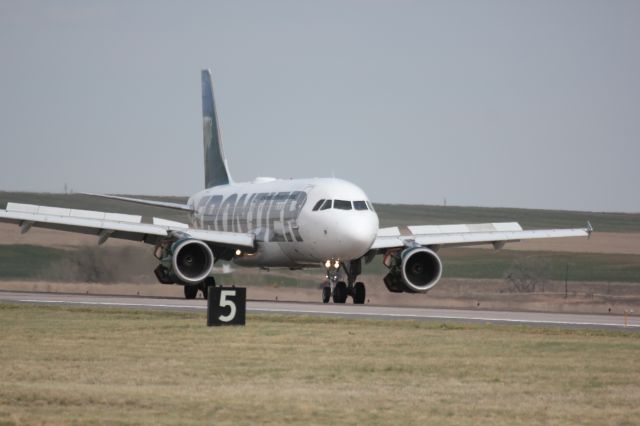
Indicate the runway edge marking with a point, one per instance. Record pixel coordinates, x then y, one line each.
361 314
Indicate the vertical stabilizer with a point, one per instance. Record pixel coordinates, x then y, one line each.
215 164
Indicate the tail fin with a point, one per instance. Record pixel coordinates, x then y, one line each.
215 164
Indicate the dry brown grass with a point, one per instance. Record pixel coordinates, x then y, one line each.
86 366
10 234
600 242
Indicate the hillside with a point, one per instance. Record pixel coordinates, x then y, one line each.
390 214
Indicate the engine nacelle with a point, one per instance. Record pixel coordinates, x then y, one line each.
187 261
414 270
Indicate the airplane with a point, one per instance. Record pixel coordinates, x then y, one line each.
269 223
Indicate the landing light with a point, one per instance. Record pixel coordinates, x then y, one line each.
336 264
238 252
327 264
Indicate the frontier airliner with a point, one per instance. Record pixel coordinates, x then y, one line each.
293 223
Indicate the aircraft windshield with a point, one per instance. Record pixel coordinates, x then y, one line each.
326 205
342 205
360 205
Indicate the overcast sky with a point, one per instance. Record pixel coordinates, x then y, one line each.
489 103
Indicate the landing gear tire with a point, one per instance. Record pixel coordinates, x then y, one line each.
190 291
340 292
326 294
204 286
359 293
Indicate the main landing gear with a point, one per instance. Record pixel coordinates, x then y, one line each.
191 291
340 290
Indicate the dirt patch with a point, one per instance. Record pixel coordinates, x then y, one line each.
135 264
10 234
595 298
105 265
600 242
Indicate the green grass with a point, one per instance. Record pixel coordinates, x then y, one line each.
97 366
393 215
121 264
390 214
27 261
480 264
466 263
76 201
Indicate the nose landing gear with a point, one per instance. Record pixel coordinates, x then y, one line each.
340 290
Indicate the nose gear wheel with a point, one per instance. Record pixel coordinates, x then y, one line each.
339 291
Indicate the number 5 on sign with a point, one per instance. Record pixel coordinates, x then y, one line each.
226 306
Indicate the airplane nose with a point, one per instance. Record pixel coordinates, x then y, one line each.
358 233
363 231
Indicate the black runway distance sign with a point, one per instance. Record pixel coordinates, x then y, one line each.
226 306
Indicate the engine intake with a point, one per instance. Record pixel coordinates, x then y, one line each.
414 270
187 261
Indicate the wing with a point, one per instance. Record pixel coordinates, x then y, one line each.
164 204
464 235
114 225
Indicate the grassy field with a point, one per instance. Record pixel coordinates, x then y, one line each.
594 267
390 215
135 264
34 262
76 201
27 261
97 366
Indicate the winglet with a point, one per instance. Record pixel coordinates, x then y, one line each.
215 164
589 229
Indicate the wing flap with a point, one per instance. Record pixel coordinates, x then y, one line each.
492 233
114 225
395 231
74 213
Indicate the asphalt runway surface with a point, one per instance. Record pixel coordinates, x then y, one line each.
336 310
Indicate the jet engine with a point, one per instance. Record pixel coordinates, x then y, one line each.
413 270
186 261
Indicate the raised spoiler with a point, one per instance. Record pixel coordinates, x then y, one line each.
463 235
114 225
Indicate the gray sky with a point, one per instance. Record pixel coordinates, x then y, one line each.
491 103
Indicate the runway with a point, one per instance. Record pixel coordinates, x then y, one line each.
346 310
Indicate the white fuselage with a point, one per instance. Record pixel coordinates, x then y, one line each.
293 228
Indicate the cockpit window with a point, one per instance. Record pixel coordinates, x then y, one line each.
342 204
370 206
360 205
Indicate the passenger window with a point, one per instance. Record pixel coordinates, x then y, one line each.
318 204
326 205
360 205
342 205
